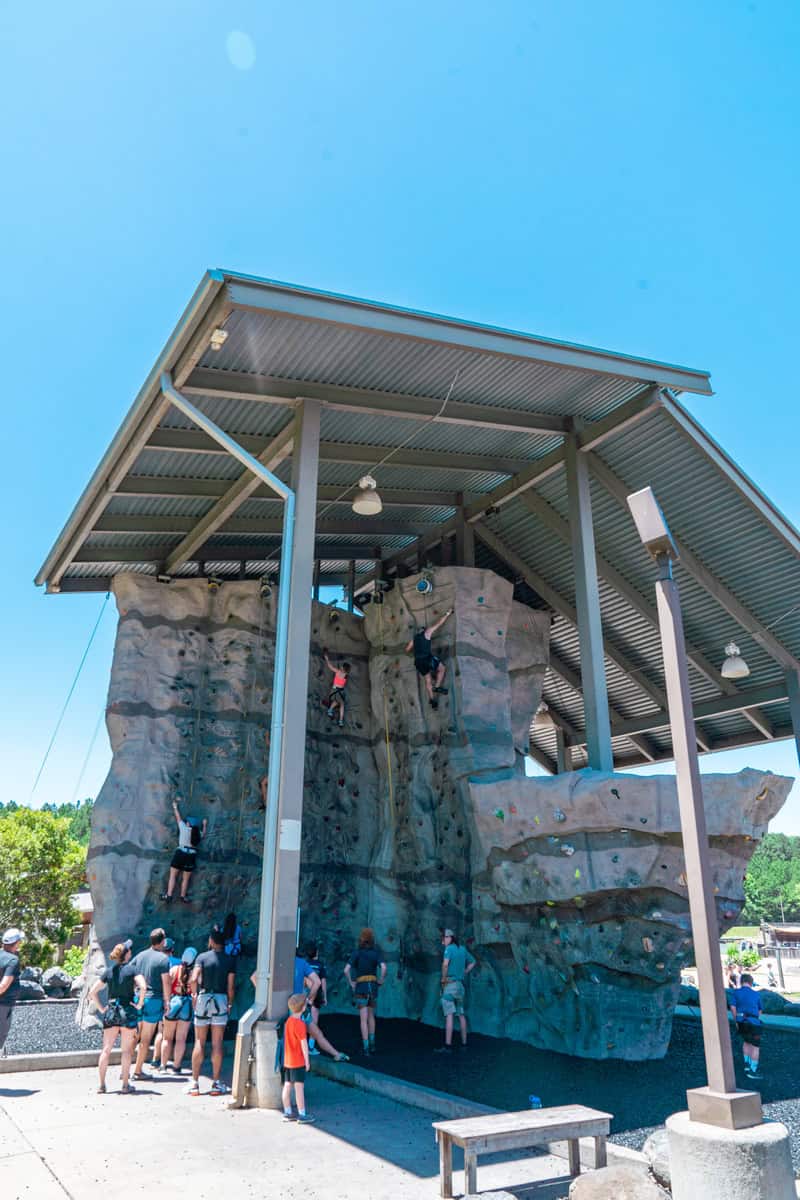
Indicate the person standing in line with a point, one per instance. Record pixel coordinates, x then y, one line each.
318 994
213 984
9 980
178 1016
457 962
428 665
746 1010
190 834
366 972
121 1014
153 964
295 1061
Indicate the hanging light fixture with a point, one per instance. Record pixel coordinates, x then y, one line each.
734 666
542 719
367 502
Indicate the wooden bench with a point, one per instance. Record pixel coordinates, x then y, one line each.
517 1131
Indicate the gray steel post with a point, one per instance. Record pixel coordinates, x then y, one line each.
351 584
715 1104
793 688
465 536
563 752
305 465
587 604
316 579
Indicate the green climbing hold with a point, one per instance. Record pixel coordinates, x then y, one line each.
501 816
577 872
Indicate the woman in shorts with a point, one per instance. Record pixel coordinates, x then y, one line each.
366 972
178 1016
120 1016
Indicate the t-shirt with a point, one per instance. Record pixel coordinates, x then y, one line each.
295 1032
185 837
301 969
121 981
9 966
317 967
457 959
747 1004
216 966
153 964
365 962
422 647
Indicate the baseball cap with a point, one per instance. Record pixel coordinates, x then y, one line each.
12 935
169 943
189 955
128 943
448 933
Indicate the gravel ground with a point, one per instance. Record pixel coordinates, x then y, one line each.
48 1025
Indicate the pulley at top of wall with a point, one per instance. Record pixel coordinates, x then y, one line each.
424 584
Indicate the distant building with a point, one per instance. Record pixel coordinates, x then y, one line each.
785 936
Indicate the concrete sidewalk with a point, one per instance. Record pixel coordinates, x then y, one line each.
59 1139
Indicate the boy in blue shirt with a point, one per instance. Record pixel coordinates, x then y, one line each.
746 1009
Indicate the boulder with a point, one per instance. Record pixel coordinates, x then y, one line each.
689 995
29 990
76 987
656 1151
56 982
772 1003
623 1181
33 974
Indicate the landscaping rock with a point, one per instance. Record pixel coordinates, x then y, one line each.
33 974
772 1003
656 1150
29 990
56 982
689 995
625 1181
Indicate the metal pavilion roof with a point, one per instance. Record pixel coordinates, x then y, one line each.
492 455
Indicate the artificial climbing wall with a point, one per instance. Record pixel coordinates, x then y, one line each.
570 891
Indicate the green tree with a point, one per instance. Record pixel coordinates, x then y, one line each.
41 866
772 882
79 816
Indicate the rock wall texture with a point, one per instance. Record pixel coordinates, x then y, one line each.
570 891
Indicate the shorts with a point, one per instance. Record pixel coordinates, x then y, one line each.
152 1011
749 1032
182 1013
120 1016
367 995
336 694
211 1009
293 1074
453 998
5 1022
184 860
427 666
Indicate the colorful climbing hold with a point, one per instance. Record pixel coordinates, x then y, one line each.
537 821
559 815
577 872
501 816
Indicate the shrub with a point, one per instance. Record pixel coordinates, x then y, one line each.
74 959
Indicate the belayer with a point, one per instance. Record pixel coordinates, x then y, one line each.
428 665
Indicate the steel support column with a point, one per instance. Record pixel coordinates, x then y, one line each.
465 537
351 584
587 603
563 752
793 690
305 466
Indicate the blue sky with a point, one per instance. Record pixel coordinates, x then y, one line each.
619 174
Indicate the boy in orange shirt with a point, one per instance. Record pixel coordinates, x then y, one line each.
295 1061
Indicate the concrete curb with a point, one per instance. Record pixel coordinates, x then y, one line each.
59 1060
445 1104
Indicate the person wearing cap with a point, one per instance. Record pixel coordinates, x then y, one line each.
178 1016
457 962
153 963
9 979
121 1014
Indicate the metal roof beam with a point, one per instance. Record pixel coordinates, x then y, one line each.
719 706
269 296
368 526
544 760
573 680
168 485
707 580
193 441
562 606
222 552
267 389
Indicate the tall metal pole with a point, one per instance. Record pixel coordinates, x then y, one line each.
587 603
719 1103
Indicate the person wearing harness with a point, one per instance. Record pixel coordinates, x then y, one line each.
178 1016
341 674
431 668
366 972
213 985
121 1014
153 964
190 834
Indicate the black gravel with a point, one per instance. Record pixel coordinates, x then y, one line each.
48 1026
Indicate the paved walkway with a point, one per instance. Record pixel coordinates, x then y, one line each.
59 1139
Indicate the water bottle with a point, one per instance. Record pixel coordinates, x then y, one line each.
535 1101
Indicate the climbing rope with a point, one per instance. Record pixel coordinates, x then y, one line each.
69 694
88 755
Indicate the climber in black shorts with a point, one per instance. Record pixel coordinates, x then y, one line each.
428 665
190 834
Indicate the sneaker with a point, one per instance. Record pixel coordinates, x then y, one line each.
313 1050
186 900
167 899
175 1070
440 691
289 1117
218 1088
754 1074
127 1089
193 1088
434 704
443 1050
331 712
140 1077
342 1058
101 1090
305 1119
341 726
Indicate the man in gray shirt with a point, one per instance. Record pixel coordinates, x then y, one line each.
9 980
153 963
457 962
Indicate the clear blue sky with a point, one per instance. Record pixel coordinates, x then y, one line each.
619 174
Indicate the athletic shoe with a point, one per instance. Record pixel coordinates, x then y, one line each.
313 1050
443 1050
127 1089
101 1091
186 900
219 1089
342 1058
305 1119
440 691
341 726
167 899
140 1077
288 1117
434 704
751 1074
193 1088
175 1070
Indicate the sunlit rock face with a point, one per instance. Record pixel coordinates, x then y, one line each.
570 891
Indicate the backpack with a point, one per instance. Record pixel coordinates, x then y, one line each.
196 834
233 947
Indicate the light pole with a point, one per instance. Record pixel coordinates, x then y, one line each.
719 1103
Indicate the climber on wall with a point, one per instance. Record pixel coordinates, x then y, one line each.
190 834
428 665
341 674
